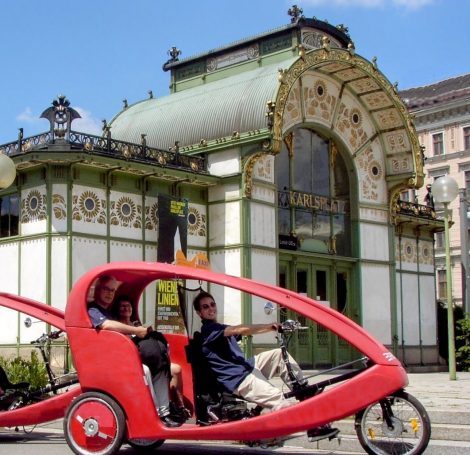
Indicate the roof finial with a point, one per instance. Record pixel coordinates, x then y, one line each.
174 53
296 13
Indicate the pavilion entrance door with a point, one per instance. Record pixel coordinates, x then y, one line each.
329 282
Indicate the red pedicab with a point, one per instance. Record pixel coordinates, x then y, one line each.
115 404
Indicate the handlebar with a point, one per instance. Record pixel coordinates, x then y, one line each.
290 326
47 336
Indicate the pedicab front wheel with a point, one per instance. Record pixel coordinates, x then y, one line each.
397 425
94 424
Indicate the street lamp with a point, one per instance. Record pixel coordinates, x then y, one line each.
445 190
7 171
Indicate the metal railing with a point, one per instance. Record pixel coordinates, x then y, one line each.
112 148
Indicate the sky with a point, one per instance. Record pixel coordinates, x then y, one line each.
99 52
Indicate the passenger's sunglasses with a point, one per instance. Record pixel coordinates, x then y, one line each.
206 306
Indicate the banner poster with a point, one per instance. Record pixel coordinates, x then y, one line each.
172 242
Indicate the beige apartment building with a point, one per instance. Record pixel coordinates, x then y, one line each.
442 120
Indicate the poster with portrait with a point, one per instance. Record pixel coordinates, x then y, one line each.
172 242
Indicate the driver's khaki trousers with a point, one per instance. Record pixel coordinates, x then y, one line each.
256 386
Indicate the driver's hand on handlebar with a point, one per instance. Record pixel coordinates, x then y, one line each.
276 326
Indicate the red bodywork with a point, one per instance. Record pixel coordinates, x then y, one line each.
109 362
52 408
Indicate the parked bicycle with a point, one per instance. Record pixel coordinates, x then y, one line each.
21 394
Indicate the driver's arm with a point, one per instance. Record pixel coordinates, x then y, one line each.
250 329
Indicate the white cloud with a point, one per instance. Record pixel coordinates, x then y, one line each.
409 4
87 124
27 116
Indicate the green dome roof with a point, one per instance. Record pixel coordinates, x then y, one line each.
209 111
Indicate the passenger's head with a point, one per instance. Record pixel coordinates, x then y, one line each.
205 306
105 289
123 309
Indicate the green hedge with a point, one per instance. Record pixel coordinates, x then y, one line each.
462 354
32 370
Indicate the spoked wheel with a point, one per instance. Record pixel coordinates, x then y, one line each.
145 444
407 431
94 425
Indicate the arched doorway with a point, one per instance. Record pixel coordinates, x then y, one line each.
315 184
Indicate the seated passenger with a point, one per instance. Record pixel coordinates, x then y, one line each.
152 348
247 378
124 311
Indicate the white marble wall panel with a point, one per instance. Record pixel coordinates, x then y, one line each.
59 272
125 251
59 208
224 163
224 224
150 253
374 242
86 254
262 193
428 309
409 306
225 192
228 300
197 225
380 215
151 219
33 270
263 225
125 215
226 261
8 326
9 263
89 210
33 215
376 301
263 268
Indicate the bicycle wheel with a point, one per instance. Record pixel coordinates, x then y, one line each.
145 444
409 433
94 425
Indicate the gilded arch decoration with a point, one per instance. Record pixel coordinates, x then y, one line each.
379 121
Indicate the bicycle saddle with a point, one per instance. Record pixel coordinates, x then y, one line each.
6 384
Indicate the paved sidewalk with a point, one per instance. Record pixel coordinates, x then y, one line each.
437 392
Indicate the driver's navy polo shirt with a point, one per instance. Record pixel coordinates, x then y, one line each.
225 357
98 315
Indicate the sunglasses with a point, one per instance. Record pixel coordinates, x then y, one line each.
206 306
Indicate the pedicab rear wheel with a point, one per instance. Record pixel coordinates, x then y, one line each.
94 424
409 431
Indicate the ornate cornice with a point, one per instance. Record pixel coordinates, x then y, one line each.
317 57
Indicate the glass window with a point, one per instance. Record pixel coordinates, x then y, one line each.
313 194
442 284
438 144
9 215
466 138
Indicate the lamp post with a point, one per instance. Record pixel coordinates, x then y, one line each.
7 171
445 190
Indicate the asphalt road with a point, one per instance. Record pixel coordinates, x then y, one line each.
52 442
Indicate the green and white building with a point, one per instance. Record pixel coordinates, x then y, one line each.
291 150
